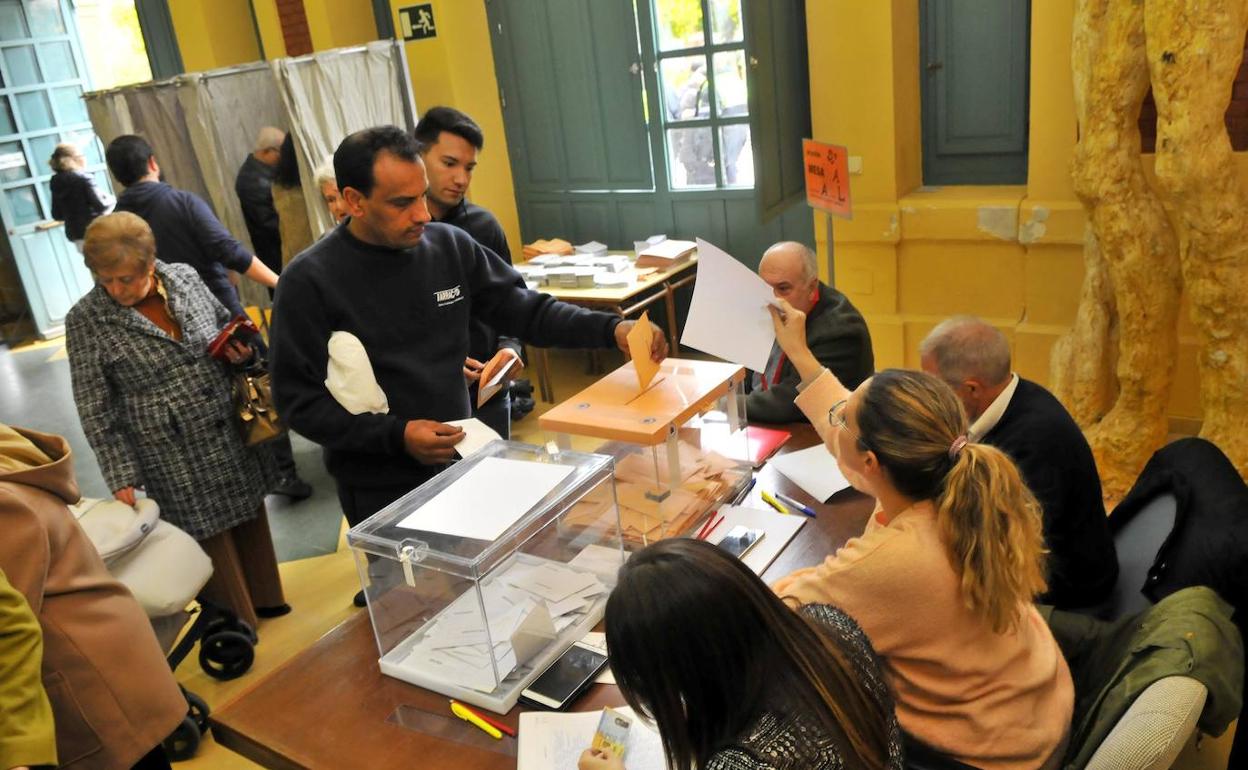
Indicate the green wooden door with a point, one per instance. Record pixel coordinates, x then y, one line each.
602 147
42 77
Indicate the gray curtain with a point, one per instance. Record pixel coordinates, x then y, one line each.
203 125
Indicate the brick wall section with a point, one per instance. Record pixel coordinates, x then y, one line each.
294 27
1236 113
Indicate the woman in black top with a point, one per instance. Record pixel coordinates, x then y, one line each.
735 679
75 199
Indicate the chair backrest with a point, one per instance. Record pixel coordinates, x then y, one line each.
1137 544
1153 731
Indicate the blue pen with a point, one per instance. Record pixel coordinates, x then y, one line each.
745 492
795 504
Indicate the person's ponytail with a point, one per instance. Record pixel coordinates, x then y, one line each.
991 524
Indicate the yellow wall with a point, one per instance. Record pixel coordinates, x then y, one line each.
912 256
214 33
456 69
270 27
339 23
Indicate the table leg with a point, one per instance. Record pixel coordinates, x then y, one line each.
541 362
672 331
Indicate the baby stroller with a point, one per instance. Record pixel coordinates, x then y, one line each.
165 569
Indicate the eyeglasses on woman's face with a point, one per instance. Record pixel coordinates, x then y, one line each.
836 418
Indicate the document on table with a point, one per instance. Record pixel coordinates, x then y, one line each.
728 316
554 741
487 499
640 338
814 470
476 435
780 529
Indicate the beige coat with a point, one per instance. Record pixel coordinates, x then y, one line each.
113 695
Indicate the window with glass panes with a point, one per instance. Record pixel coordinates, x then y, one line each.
700 47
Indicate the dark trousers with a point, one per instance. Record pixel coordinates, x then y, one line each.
496 413
358 503
284 455
153 760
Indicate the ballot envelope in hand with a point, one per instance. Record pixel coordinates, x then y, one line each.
612 732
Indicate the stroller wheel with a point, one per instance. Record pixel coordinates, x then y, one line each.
226 655
184 742
228 622
198 710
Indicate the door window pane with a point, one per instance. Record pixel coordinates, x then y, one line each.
738 155
686 91
58 62
35 111
679 23
7 126
730 93
45 17
41 148
726 21
69 105
12 20
23 69
690 157
25 205
13 167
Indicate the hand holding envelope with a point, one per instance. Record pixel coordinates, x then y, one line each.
497 373
640 346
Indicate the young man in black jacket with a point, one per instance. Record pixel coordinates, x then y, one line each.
449 145
1026 422
408 289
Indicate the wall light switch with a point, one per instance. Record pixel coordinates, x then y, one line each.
855 164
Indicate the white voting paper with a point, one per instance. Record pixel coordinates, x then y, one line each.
476 435
728 316
554 741
780 529
814 470
487 499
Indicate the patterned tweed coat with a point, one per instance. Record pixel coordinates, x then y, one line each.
158 412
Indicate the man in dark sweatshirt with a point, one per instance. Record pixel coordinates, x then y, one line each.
449 145
1026 422
187 231
408 289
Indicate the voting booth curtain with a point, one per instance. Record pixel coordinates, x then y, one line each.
202 125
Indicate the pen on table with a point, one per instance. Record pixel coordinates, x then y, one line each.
710 524
745 492
773 502
489 720
795 504
472 719
714 524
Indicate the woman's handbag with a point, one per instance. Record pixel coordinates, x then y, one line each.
253 398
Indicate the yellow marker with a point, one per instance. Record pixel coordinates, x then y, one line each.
773 502
472 718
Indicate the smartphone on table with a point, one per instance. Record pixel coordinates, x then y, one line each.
566 678
740 539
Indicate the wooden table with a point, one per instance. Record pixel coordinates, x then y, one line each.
624 301
330 707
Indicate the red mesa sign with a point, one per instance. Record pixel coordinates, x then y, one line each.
827 177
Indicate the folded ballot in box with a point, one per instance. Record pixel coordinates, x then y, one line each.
474 582
673 444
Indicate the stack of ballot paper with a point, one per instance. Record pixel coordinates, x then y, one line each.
706 478
527 604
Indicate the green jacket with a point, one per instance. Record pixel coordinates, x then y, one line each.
1189 633
27 734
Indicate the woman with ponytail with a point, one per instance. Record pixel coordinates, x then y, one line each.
944 576
736 680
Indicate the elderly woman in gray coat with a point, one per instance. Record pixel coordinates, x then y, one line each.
158 410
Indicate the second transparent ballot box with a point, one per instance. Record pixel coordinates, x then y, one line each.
481 577
680 445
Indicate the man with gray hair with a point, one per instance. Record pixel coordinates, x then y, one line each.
254 186
1026 422
835 332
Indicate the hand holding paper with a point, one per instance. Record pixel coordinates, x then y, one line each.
728 316
640 345
658 344
431 442
500 370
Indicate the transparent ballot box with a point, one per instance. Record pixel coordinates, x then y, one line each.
680 445
481 577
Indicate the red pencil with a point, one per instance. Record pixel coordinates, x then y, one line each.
718 521
489 721
709 527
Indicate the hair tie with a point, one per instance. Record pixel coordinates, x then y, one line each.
956 446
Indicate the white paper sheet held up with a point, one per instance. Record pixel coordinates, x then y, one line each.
554 741
476 435
728 316
814 470
780 529
487 499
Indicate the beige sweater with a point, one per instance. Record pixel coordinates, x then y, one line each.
996 701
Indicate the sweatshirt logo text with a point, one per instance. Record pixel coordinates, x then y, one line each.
448 296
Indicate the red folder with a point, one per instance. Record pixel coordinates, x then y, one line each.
763 444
